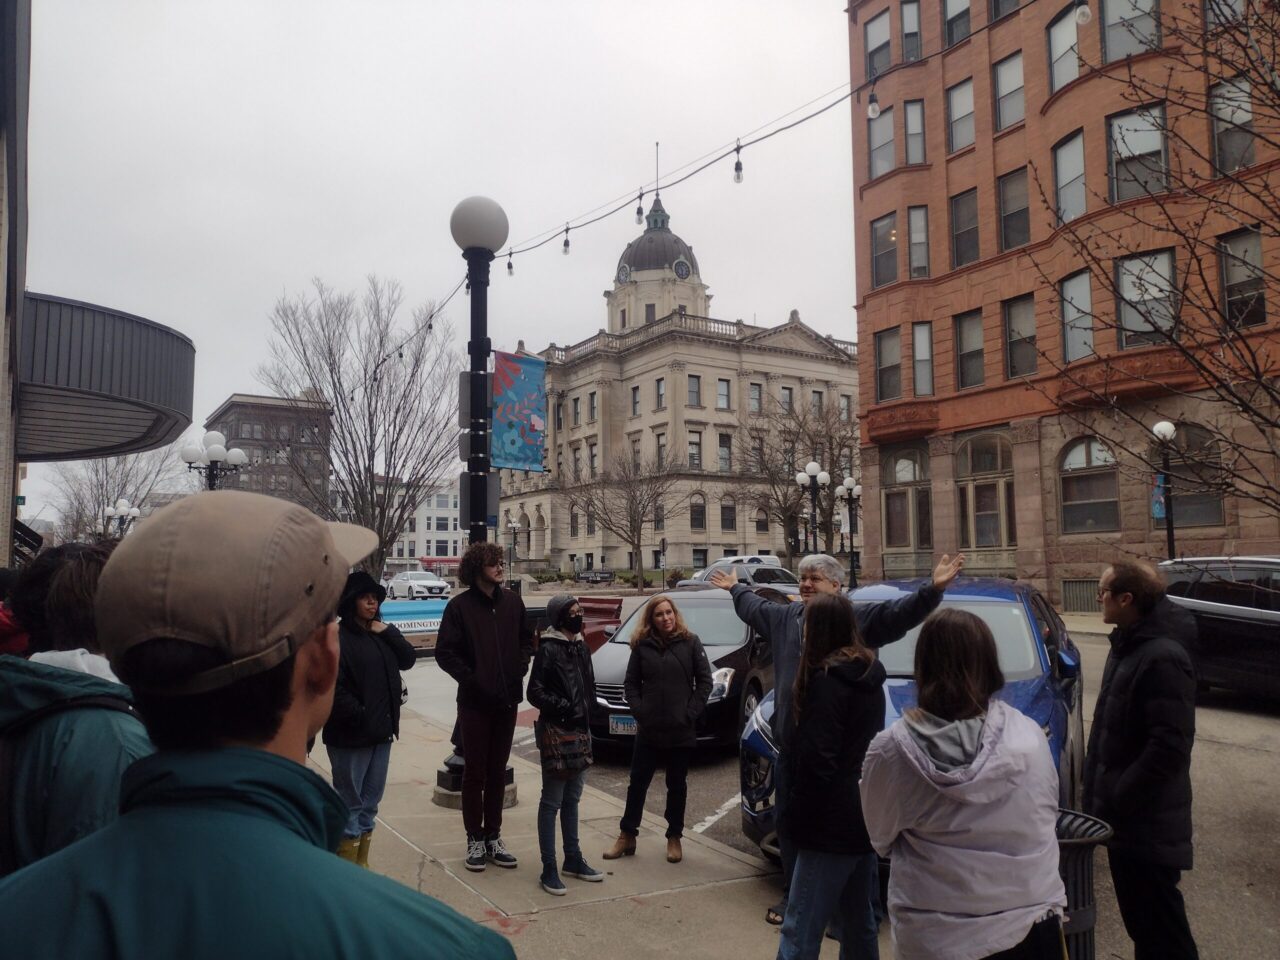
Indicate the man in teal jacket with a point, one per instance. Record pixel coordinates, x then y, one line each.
218 612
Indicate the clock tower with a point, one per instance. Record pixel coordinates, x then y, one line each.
657 275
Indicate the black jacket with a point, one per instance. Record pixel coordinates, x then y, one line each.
486 646
667 687
843 710
1137 771
562 684
366 702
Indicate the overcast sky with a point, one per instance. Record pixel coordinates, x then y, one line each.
192 161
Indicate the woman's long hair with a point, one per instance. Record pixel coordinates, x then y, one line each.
957 667
647 629
831 636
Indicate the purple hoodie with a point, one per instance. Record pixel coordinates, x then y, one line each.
974 848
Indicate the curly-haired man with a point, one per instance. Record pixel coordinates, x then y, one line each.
486 646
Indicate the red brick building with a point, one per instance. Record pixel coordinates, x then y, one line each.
1016 264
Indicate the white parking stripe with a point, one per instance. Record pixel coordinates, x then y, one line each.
725 807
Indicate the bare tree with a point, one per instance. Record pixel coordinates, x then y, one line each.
1191 267
391 393
780 442
626 499
83 488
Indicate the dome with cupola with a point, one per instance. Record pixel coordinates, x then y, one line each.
657 248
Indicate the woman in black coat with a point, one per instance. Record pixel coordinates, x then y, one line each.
839 704
667 685
562 686
366 709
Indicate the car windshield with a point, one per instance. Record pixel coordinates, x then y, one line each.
1015 644
711 618
772 575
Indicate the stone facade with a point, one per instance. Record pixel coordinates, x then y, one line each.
679 385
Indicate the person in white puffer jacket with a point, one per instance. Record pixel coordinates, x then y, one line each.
962 795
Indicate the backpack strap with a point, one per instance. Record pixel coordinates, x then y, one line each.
10 733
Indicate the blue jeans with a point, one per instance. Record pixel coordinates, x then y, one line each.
786 851
827 887
360 777
559 797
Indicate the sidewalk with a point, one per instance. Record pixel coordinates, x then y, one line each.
1086 625
709 906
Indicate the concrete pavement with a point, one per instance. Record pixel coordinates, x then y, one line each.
710 905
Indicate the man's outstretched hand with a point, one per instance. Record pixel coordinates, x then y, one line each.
721 579
947 570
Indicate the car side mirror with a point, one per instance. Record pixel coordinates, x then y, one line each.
1068 664
610 630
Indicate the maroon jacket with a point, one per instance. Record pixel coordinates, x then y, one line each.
13 639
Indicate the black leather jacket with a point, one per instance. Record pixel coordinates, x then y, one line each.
562 684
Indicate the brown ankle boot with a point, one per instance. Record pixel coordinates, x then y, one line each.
624 846
362 851
348 848
674 853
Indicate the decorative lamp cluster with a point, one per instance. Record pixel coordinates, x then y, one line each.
123 513
212 459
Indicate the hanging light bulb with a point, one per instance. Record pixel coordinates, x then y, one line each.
737 163
466 291
511 269
640 208
1083 14
566 240
873 106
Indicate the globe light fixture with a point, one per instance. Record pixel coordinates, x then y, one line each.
1164 432
212 460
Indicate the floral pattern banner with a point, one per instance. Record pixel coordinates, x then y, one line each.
519 412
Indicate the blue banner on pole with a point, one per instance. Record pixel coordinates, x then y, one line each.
1157 497
519 412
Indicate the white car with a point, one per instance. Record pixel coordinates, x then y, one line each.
417 585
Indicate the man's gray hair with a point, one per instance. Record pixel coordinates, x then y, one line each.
824 565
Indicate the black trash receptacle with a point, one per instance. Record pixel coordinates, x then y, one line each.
1078 835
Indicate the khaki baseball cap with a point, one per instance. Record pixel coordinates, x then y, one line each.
249 575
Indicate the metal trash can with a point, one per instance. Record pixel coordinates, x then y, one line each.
1078 835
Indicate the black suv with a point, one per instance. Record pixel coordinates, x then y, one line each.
1236 602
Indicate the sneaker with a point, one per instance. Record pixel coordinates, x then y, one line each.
550 881
498 854
475 854
577 867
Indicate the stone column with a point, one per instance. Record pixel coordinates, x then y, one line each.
869 523
942 476
1029 503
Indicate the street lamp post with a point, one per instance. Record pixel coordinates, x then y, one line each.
479 226
1165 432
212 460
850 494
122 513
811 478
514 527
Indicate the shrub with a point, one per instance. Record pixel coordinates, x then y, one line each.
675 575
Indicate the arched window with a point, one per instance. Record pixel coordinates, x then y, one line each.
762 520
1195 468
906 505
984 486
697 512
573 522
1089 483
728 514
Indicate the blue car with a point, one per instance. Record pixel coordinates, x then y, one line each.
1041 667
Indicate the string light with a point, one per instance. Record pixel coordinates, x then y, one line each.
510 266
737 163
566 239
873 106
1083 14
640 208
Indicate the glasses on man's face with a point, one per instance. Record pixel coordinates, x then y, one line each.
498 563
1102 592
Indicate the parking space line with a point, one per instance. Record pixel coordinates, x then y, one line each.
725 807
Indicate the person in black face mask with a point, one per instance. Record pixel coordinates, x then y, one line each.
562 686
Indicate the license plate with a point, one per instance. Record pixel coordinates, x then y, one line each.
622 726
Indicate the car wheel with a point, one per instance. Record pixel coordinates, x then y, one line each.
391 593
750 700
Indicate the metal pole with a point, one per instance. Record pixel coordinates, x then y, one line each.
211 476
813 510
853 572
1168 501
479 347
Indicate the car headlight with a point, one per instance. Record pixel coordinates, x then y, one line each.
720 682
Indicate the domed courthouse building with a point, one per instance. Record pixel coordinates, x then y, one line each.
1064 218
666 387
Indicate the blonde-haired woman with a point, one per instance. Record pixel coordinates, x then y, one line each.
667 686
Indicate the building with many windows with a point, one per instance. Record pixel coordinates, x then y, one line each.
1059 216
666 386
286 441
431 540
